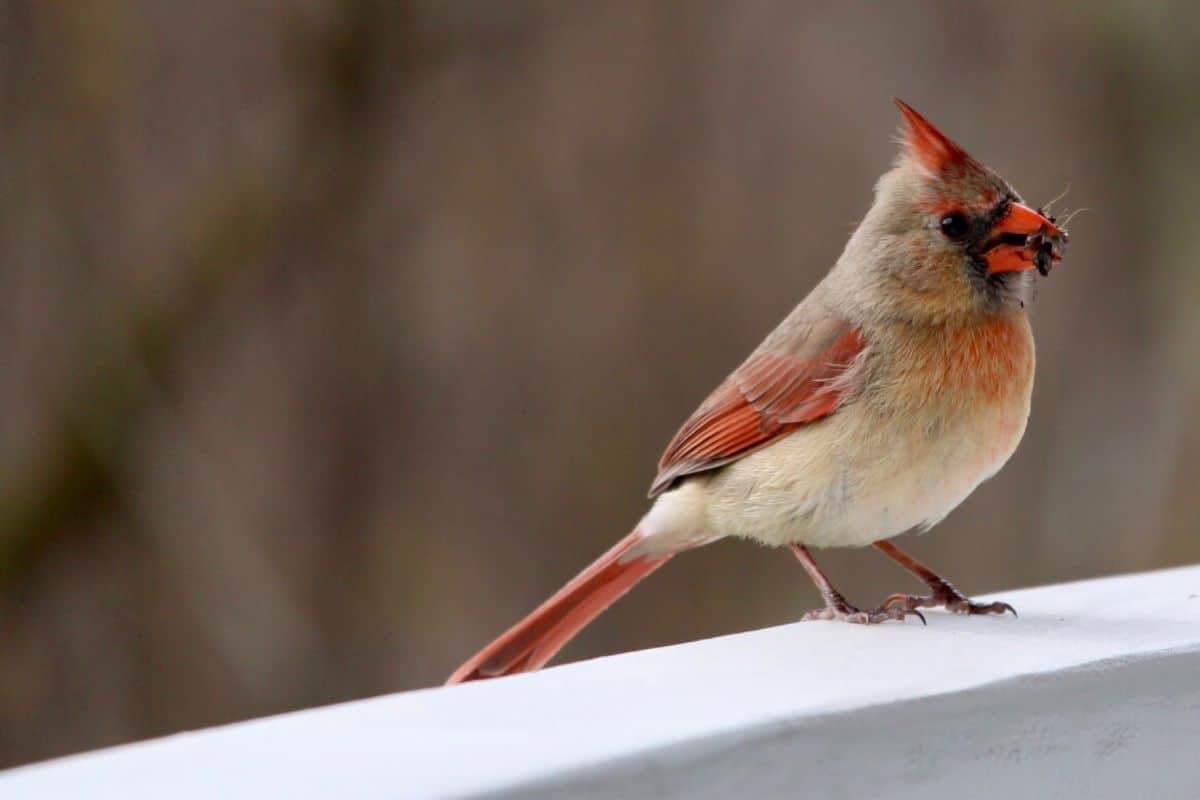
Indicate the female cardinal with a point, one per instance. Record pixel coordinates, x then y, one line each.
892 391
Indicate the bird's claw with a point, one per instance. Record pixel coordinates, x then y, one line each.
984 608
848 613
951 600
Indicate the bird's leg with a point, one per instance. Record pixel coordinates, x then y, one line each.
942 592
836 606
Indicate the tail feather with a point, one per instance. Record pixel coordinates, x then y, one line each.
534 640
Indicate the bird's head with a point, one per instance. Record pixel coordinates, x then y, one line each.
947 236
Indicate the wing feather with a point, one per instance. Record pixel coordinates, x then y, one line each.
777 390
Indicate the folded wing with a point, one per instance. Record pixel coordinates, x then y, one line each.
778 389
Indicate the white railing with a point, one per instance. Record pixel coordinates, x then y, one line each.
1094 692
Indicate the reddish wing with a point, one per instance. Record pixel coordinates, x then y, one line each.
769 396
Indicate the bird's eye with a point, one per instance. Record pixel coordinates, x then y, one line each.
954 226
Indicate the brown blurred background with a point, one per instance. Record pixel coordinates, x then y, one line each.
336 335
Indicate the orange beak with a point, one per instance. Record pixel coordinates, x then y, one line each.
1024 239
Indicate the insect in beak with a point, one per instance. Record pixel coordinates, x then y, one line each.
1024 239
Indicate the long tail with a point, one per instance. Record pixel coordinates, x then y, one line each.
534 640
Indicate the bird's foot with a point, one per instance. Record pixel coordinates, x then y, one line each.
946 596
844 612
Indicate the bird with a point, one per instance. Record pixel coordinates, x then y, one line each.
898 385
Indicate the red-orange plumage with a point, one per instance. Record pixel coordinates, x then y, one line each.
769 396
534 640
937 151
986 361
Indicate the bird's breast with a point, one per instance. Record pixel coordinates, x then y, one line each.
938 413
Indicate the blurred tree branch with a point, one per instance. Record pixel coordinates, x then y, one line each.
337 63
76 479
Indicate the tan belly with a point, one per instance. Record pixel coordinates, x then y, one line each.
812 488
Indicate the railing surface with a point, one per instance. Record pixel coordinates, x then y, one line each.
1094 692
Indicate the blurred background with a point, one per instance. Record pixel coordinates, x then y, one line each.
334 336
